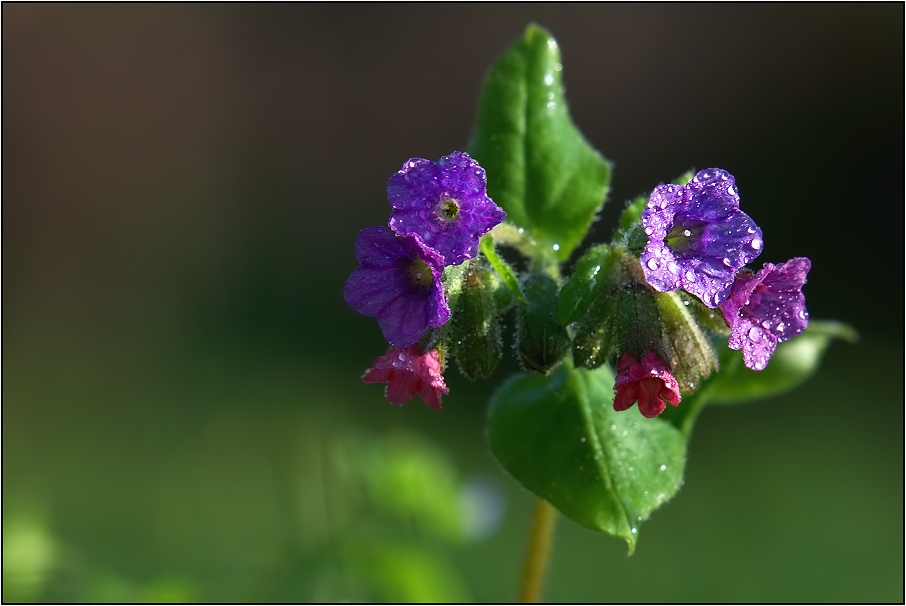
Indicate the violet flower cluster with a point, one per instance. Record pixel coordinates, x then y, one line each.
440 211
699 240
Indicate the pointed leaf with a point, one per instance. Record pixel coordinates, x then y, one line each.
559 436
540 168
794 361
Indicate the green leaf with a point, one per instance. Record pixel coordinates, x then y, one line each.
540 168
559 436
503 269
794 361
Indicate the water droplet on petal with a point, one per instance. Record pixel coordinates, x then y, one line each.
754 335
802 314
671 266
648 231
652 264
730 190
690 275
756 243
687 233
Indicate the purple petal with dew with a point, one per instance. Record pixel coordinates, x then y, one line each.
379 247
370 290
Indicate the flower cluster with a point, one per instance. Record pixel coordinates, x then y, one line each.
440 211
699 240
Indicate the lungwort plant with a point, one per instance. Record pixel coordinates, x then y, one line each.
666 313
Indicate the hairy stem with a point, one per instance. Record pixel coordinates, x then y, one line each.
537 555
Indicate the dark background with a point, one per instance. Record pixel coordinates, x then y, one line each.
182 186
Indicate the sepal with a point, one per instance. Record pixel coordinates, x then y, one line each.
629 316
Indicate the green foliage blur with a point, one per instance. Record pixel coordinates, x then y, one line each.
182 413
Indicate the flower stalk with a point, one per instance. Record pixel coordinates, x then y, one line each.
537 554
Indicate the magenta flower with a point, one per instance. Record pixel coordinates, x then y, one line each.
399 283
649 382
698 237
765 308
407 373
445 203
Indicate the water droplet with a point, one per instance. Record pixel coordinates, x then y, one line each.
556 247
551 43
766 323
730 190
754 335
687 233
690 275
663 468
596 270
548 79
652 264
781 326
672 267
613 428
633 531
631 469
686 302
582 440
751 230
707 298
756 243
550 105
648 231
418 275
558 66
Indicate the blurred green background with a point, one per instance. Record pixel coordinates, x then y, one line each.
182 413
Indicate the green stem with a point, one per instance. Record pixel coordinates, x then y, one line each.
537 555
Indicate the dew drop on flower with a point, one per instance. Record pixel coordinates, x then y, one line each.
652 264
756 243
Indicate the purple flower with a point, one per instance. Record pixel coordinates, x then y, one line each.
698 237
445 203
765 308
399 282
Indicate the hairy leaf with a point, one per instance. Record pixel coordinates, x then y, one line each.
540 168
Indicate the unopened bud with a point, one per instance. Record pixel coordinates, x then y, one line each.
541 340
474 333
